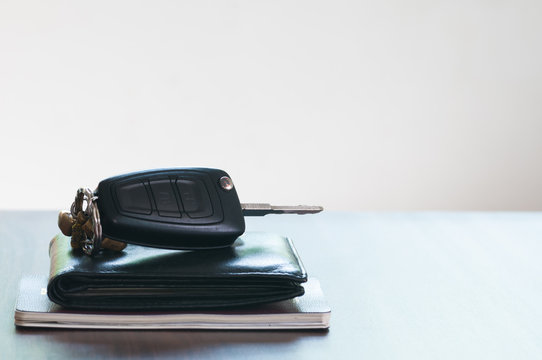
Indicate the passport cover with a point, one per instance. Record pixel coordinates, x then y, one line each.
257 268
309 311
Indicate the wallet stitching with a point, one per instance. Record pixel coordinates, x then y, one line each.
203 276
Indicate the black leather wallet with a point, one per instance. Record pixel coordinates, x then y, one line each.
258 268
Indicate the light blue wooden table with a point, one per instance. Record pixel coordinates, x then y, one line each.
400 285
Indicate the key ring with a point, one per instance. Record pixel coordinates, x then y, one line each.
92 245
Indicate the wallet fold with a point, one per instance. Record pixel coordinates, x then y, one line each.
258 268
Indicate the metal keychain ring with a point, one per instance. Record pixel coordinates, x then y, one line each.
92 246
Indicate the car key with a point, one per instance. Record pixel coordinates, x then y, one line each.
185 208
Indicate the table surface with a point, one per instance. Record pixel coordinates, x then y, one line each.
400 285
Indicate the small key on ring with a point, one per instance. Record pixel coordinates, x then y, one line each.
187 208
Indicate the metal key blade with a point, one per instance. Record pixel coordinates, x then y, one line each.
264 209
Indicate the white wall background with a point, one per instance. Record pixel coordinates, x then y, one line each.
354 105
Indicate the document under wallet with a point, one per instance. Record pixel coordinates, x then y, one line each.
258 268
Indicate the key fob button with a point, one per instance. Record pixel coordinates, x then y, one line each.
164 198
195 198
133 198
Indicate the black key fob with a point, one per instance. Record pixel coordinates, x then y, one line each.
185 208
188 208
